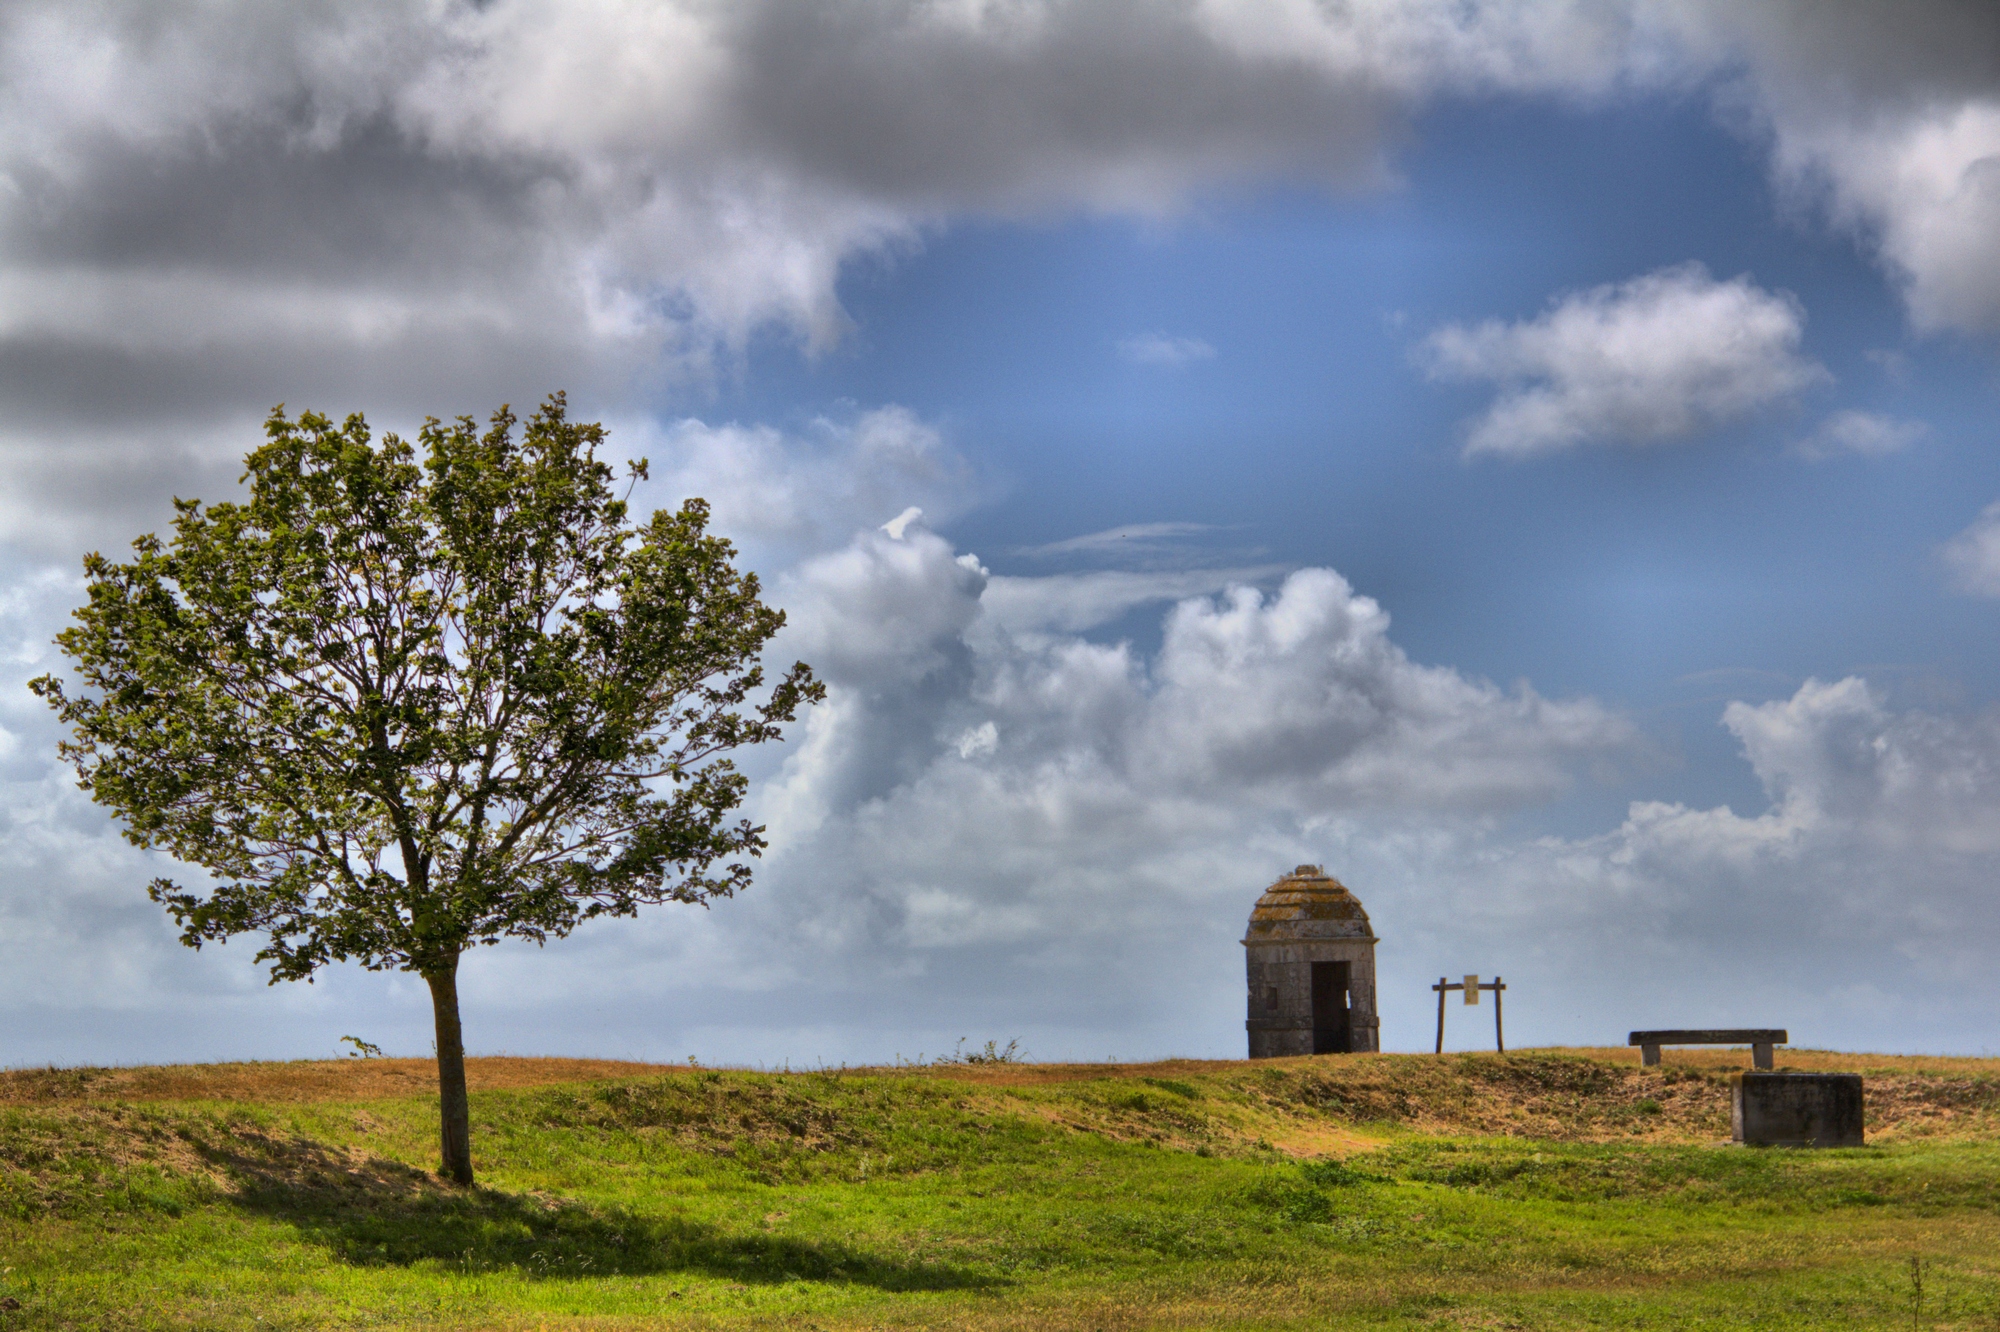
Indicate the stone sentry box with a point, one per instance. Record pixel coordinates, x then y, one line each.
1796 1109
1310 957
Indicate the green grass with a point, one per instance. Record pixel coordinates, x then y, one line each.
920 1199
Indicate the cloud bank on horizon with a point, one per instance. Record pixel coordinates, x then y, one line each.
1030 790
1022 828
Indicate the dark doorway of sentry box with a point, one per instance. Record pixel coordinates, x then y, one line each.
1332 1033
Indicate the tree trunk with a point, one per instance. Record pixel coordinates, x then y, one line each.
454 1113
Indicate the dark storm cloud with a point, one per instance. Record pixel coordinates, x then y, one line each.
433 364
1913 54
1031 105
430 206
249 197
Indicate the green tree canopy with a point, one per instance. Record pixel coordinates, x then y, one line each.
399 705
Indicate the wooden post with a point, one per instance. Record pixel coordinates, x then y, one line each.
1472 986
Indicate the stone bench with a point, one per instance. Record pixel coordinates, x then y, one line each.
1759 1039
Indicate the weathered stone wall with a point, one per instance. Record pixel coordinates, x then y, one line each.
1280 1015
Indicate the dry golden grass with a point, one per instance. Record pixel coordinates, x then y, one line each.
301 1080
1036 1075
1309 1106
1341 1103
1706 1058
1794 1060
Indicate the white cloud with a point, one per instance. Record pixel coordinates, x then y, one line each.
1867 434
1420 50
1073 602
1303 694
76 930
1856 909
1292 706
1837 761
1029 824
1926 186
783 495
984 833
1121 541
1301 691
1888 117
1069 819
979 741
897 527
423 207
1655 358
1159 349
913 596
1973 556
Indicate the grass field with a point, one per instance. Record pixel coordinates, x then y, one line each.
1547 1189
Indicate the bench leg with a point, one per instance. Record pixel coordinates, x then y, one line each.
1649 1056
1760 1056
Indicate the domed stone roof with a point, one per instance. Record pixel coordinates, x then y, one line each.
1308 903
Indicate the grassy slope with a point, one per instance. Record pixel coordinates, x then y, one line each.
1545 1189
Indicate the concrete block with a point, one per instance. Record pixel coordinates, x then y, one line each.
1796 1109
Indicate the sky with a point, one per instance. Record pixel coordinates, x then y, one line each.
1535 459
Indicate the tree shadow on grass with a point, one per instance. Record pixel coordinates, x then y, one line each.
375 1213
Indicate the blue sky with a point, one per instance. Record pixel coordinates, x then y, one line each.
1530 458
1663 578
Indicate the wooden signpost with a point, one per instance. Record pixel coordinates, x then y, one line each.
1471 987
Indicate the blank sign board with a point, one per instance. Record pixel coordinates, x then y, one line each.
1472 989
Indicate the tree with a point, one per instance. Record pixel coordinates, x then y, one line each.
399 707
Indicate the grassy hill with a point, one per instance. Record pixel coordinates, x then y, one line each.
1544 1189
